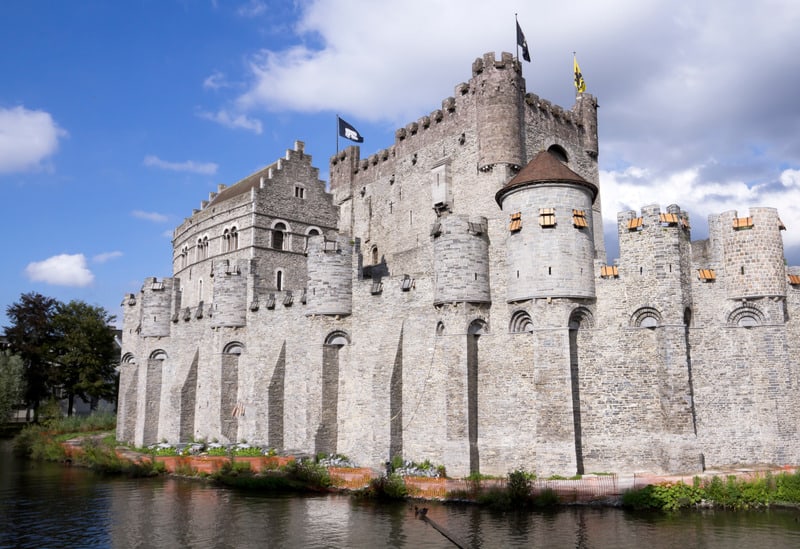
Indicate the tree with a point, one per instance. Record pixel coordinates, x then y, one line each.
12 383
84 352
31 336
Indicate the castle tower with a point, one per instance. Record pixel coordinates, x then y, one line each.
157 306
655 251
460 260
550 245
330 282
230 292
751 250
499 90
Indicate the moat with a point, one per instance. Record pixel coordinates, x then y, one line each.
50 505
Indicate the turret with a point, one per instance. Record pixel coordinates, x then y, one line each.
330 282
158 306
550 244
230 292
499 90
655 252
460 260
751 253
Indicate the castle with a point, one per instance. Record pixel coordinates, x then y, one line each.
449 299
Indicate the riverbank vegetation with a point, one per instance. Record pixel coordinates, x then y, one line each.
729 493
97 449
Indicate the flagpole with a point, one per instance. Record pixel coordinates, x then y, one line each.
337 134
516 20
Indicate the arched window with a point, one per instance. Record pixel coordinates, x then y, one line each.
127 358
200 290
520 323
478 327
184 256
226 240
337 338
375 256
559 152
440 328
646 317
233 348
202 248
279 280
313 231
234 241
581 317
746 316
158 354
279 236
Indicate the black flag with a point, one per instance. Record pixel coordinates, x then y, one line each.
349 132
522 43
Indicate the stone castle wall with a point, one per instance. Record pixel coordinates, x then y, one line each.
400 326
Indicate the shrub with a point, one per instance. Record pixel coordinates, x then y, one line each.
787 487
667 497
310 472
519 485
388 487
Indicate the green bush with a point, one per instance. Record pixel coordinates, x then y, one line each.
388 487
310 472
787 487
519 485
666 497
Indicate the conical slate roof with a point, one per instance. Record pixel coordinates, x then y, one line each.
544 168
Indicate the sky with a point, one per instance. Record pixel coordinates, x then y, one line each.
118 118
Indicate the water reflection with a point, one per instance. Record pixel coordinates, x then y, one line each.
47 505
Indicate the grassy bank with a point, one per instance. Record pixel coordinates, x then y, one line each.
729 493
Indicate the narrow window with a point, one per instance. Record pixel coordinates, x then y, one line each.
279 280
278 234
299 192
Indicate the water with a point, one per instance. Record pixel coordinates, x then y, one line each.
49 505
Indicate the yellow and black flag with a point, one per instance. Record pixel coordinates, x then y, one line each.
580 83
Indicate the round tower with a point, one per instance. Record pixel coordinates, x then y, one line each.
461 260
157 297
230 293
550 245
499 98
330 276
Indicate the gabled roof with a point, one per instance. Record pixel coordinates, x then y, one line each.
545 168
241 187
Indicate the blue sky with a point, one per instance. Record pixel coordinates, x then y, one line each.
118 118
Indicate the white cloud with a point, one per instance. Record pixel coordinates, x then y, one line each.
205 168
27 138
106 256
150 216
216 81
61 270
235 121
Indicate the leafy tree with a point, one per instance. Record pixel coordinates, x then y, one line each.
31 336
84 352
12 383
